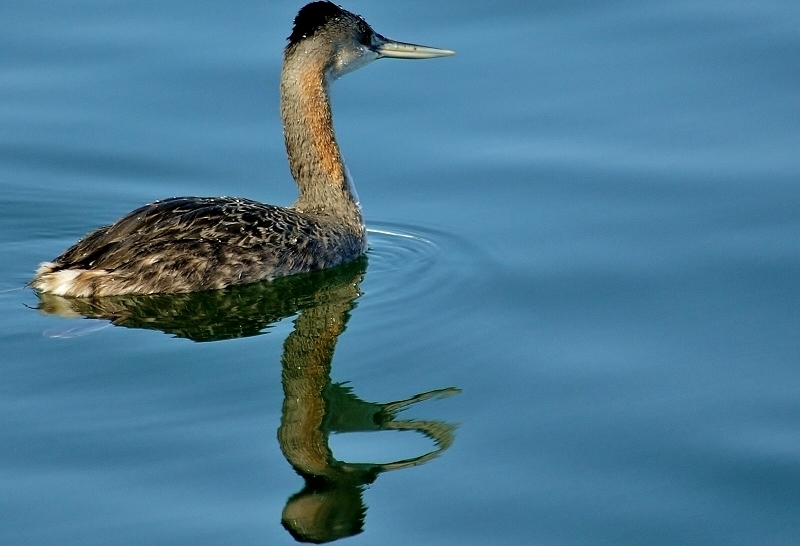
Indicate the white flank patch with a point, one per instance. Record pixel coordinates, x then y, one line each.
59 283
45 267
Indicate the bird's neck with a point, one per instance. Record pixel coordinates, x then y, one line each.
314 157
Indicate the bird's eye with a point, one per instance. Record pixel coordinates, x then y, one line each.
365 39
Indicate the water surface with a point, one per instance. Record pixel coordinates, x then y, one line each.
585 230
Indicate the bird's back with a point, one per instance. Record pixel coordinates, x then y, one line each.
186 244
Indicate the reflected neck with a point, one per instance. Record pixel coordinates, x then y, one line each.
314 157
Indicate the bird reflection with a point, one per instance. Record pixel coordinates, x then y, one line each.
330 505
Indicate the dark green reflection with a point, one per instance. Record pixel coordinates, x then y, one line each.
238 311
330 505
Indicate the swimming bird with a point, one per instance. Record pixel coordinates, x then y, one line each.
188 244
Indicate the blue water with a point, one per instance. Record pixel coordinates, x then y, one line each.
585 231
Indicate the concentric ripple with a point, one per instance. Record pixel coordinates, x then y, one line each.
409 262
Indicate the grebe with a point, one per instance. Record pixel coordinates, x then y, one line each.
188 244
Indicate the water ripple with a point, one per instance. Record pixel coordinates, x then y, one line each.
412 263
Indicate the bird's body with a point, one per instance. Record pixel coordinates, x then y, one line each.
185 244
188 244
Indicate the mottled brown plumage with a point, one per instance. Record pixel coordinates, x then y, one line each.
187 244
